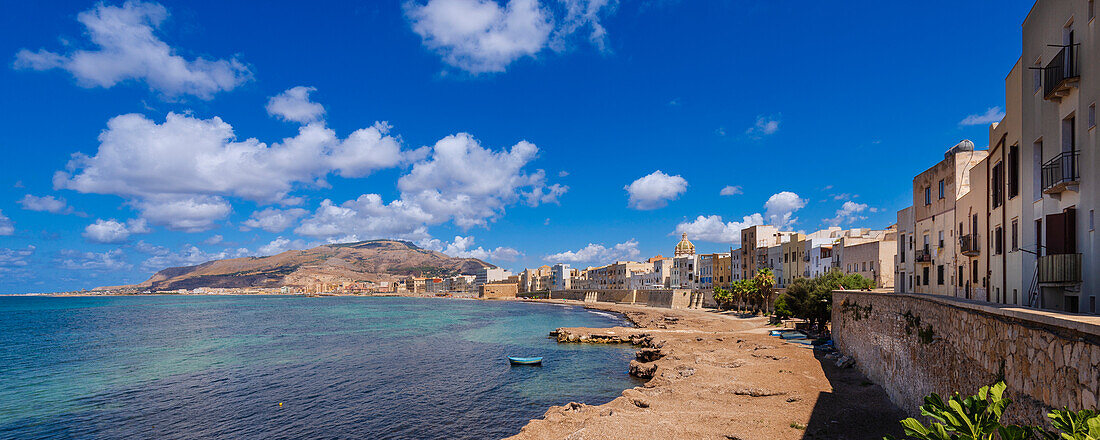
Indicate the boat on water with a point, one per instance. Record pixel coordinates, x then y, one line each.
516 360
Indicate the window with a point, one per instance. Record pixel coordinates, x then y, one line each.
1013 171
939 274
962 274
871 264
901 255
927 195
1015 232
941 239
998 241
925 275
864 266
1092 111
996 184
941 188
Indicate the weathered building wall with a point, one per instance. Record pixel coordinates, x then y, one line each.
914 345
671 298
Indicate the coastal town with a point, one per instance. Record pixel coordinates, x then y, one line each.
970 312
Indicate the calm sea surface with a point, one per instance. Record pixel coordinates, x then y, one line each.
342 367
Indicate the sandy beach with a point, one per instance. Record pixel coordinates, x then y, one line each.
719 376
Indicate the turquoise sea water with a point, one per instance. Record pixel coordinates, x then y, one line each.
342 367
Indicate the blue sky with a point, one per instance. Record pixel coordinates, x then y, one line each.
145 135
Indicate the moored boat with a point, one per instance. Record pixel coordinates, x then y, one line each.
516 360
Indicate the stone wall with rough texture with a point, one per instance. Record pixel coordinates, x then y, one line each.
915 344
672 298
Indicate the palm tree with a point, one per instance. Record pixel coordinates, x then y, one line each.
762 285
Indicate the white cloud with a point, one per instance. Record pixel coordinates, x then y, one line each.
994 114
213 239
280 245
655 190
113 231
849 213
714 229
294 105
472 185
731 190
780 208
189 214
462 247
10 258
481 36
274 219
188 255
49 204
7 227
129 49
77 260
179 172
581 14
597 253
365 218
764 126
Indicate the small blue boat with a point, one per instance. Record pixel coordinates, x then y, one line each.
515 360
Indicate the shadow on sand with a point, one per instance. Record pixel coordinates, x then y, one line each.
855 409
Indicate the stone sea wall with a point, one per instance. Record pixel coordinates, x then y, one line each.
915 344
671 298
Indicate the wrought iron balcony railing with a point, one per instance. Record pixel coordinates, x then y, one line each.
1061 72
1061 172
969 245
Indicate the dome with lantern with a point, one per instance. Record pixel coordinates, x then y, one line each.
684 247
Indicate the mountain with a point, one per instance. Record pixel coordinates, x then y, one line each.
374 260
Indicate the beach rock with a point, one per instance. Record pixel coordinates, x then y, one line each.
642 370
648 354
756 392
685 371
606 412
845 362
769 356
573 407
641 403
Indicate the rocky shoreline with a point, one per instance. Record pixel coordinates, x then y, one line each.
718 376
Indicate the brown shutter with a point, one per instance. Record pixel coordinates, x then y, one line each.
1071 231
1056 234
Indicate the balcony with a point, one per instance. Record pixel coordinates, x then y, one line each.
922 255
1060 269
1061 73
1061 172
969 245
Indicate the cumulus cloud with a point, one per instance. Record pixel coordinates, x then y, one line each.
993 114
849 212
294 105
481 36
366 218
7 227
49 204
713 229
113 231
213 239
102 261
780 208
731 190
274 219
471 185
655 190
462 247
764 126
179 172
127 48
598 253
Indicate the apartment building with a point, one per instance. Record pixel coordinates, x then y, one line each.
490 275
792 251
706 269
930 222
535 280
1059 189
755 241
561 276
904 263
